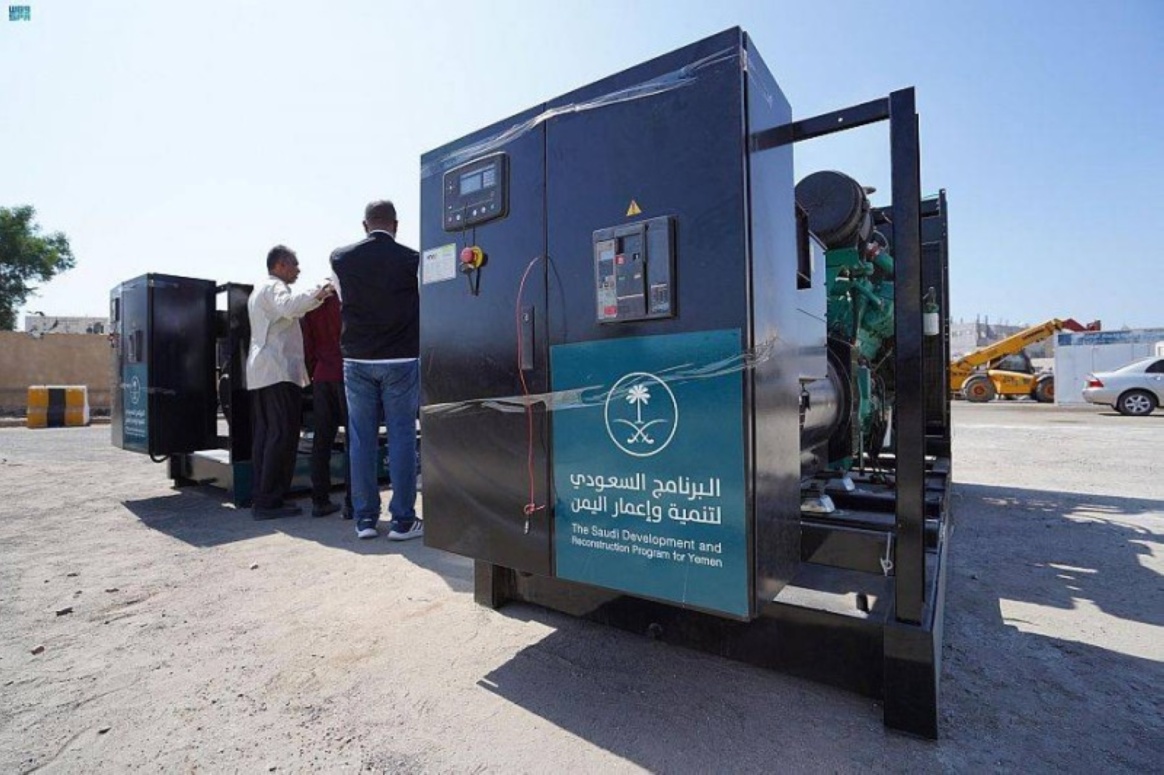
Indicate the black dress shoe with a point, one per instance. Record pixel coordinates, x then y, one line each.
323 509
276 512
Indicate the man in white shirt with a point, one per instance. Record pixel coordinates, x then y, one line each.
276 376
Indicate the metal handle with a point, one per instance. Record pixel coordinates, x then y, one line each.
527 339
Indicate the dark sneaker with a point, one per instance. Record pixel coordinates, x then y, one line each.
323 509
415 530
276 512
366 532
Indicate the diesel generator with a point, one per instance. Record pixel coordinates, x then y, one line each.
667 387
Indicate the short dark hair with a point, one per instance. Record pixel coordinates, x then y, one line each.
381 212
277 254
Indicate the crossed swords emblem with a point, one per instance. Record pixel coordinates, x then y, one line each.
639 395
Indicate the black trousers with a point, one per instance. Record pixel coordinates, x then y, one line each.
276 413
330 408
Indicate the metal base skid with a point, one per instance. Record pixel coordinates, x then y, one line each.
214 468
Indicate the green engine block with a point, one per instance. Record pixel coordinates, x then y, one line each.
860 300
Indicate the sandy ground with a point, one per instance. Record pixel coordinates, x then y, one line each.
200 640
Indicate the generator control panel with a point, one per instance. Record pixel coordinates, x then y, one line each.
476 192
634 270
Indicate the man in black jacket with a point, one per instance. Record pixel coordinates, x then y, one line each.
376 279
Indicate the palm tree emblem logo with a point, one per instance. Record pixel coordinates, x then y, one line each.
636 425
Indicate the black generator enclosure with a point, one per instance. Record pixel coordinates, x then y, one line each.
661 171
622 310
180 364
163 339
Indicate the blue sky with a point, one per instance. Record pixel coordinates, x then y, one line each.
189 137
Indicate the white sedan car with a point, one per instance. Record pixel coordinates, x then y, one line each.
1136 389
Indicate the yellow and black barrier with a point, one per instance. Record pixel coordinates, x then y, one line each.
58 406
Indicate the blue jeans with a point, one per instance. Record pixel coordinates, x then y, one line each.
391 391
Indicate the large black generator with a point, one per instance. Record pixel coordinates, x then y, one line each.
647 371
163 336
181 395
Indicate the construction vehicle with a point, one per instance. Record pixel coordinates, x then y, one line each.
1004 369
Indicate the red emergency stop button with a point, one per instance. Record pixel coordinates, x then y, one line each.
471 258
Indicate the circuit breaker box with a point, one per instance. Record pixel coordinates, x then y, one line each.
163 334
610 397
633 266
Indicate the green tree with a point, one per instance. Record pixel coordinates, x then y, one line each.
26 257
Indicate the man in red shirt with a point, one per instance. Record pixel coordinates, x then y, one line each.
321 350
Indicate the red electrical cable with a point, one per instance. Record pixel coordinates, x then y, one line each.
531 505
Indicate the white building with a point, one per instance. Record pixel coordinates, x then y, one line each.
42 324
966 337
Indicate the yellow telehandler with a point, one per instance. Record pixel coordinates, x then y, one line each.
1003 368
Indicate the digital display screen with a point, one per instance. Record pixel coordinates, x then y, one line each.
470 182
478 179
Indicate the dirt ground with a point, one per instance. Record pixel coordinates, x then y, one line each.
200 640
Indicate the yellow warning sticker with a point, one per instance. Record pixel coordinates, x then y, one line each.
633 209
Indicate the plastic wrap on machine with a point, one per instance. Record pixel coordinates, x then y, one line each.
581 398
676 79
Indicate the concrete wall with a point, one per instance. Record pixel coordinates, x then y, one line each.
54 359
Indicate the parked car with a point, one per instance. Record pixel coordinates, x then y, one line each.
1136 389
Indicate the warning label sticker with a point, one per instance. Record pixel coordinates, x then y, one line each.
439 264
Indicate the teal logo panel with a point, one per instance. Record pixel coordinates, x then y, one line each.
649 468
135 407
